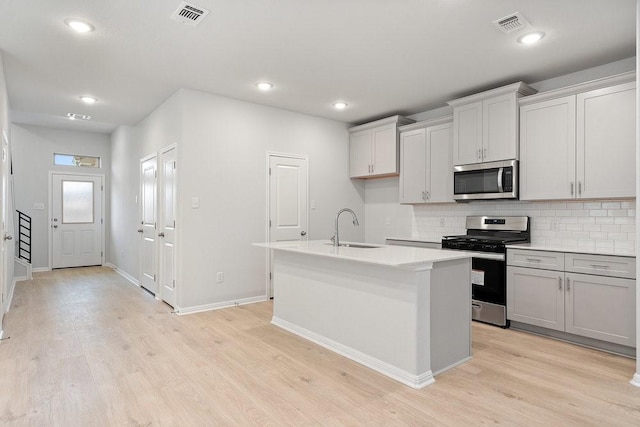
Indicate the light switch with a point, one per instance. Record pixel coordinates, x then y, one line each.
195 202
314 205
38 206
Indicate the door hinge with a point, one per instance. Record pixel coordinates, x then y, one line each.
174 165
269 223
174 224
155 174
101 253
154 277
101 221
269 171
270 276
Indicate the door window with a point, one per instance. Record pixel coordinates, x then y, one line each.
77 202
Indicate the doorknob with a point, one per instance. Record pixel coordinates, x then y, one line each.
140 230
8 237
55 225
161 234
303 233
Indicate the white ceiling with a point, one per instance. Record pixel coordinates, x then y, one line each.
383 57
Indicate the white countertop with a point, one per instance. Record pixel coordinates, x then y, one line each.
394 256
574 249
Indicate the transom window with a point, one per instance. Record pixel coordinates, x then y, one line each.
76 160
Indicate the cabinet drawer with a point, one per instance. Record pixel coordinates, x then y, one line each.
536 259
601 265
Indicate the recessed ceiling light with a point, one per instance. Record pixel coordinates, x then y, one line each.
340 105
78 25
75 116
88 99
531 38
264 86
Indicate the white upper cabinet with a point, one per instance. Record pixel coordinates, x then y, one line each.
373 148
485 125
548 149
426 162
581 144
606 138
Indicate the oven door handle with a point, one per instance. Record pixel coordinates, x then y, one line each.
500 172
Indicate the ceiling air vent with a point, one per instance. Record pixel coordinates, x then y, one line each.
189 14
511 23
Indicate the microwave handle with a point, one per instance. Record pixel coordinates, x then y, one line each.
500 172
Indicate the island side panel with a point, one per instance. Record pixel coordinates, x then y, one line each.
450 314
366 307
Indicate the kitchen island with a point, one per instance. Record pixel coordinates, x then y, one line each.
404 312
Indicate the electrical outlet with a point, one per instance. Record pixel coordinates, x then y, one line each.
387 221
219 277
441 222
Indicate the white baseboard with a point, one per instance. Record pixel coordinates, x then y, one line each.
406 378
219 305
40 269
636 379
123 273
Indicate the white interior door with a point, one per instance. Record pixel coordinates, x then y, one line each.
148 224
4 235
76 220
288 201
168 226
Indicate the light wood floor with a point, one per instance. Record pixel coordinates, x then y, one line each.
87 348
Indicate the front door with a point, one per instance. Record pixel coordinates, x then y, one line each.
168 226
148 224
288 214
76 221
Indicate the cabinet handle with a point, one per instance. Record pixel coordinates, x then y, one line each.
568 284
572 188
479 154
579 187
534 260
559 283
597 266
372 168
427 195
484 153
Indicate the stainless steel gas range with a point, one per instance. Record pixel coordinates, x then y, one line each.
490 235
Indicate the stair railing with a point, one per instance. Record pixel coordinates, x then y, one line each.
24 233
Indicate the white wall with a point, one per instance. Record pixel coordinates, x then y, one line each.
6 203
33 149
222 151
128 145
551 222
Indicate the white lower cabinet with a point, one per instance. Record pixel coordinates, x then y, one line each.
601 307
597 305
536 297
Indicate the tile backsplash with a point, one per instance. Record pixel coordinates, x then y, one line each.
607 225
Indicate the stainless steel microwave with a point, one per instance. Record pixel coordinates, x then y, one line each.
486 181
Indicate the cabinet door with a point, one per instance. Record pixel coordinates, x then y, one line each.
606 139
360 154
440 163
385 150
535 297
467 134
548 150
499 128
601 307
412 166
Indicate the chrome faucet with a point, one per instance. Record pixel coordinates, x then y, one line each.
336 238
